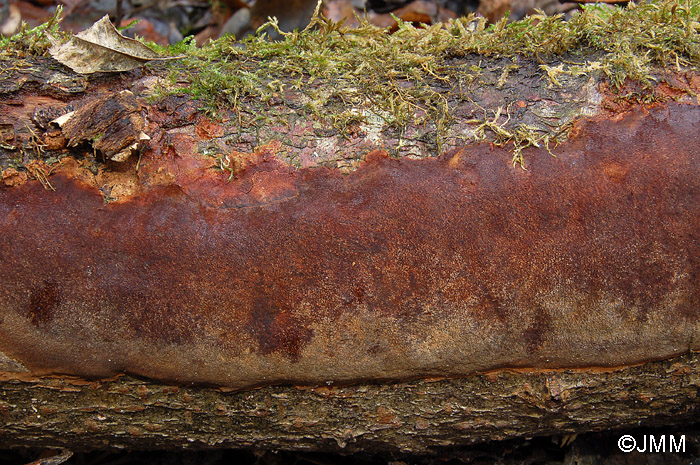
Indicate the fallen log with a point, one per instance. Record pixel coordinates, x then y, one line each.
361 255
417 417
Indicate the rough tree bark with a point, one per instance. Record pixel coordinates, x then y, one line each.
417 417
533 352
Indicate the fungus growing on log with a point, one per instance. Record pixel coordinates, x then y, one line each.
403 268
267 213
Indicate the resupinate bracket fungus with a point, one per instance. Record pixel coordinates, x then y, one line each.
404 268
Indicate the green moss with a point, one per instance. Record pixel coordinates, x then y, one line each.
32 41
343 76
398 76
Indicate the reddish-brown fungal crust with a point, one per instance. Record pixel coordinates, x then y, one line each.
404 268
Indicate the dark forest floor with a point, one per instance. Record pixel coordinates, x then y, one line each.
585 449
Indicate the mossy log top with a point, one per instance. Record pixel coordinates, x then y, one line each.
312 237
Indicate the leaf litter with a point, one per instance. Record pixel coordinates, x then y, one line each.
101 48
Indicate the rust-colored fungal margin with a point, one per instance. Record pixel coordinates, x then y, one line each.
405 268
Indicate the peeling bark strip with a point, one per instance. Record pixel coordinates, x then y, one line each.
404 268
112 123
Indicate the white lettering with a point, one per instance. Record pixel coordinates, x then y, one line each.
672 445
644 449
657 447
628 443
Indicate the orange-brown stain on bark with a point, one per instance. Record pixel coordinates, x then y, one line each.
404 268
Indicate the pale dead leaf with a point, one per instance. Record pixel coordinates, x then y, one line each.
101 48
10 23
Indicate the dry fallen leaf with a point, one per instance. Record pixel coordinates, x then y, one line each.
101 48
10 19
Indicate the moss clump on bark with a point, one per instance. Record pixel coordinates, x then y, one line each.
344 77
402 77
